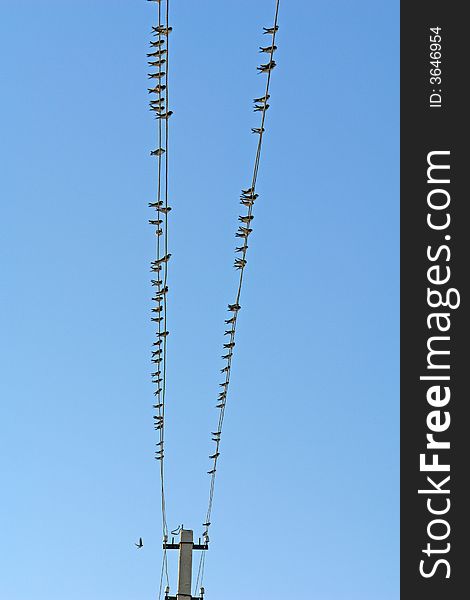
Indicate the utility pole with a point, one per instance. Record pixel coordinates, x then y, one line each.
185 565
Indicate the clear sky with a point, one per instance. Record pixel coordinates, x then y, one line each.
306 503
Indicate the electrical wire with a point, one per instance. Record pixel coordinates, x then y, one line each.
248 198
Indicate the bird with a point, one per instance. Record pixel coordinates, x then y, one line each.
158 417
268 49
216 455
166 115
248 191
229 332
267 67
224 384
232 320
227 356
241 248
155 221
206 524
247 201
270 29
157 352
163 333
219 434
251 196
260 108
246 219
158 89
140 544
156 374
156 361
211 472
165 259
157 406
157 75
156 282
157 152
239 263
257 130
225 369
157 381
229 345
262 99
156 320
222 395
161 30
157 53
164 209
156 204
221 405
234 307
158 232
156 268
157 101
156 63
157 309
243 232
156 43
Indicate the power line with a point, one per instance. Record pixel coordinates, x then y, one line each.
247 199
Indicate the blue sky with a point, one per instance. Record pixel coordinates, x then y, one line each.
307 494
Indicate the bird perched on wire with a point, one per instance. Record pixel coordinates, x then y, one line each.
268 49
246 219
156 63
164 259
216 455
264 98
257 130
260 108
232 320
155 221
156 282
158 89
250 190
166 115
229 332
239 263
243 232
227 356
163 333
157 75
225 369
156 43
241 248
157 152
211 472
229 345
164 209
267 67
234 307
270 30
157 53
161 30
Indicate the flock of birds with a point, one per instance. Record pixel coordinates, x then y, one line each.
248 196
158 60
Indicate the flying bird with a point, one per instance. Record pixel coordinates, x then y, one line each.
140 544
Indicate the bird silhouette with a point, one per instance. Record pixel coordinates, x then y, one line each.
140 544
